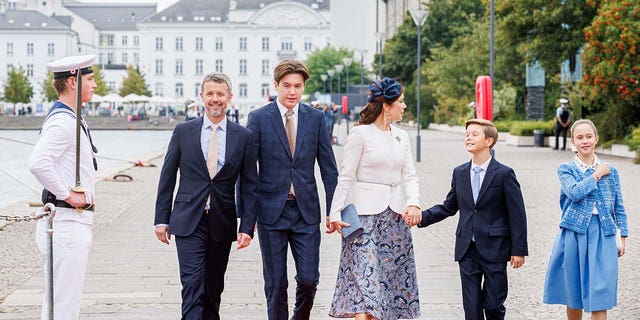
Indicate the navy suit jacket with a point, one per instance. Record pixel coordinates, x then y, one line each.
185 154
278 169
497 219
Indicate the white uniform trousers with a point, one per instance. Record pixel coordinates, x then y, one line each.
71 243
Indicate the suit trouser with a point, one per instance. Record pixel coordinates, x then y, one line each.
203 264
561 130
479 296
304 239
71 244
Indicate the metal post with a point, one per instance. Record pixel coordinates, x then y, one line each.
347 64
78 124
324 77
362 53
52 210
331 72
419 16
338 68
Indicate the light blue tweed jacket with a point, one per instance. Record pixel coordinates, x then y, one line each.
579 191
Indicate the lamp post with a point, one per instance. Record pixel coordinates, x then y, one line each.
419 16
339 68
347 63
379 36
331 72
362 53
324 82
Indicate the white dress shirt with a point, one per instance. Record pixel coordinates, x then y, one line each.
377 172
284 109
221 135
482 173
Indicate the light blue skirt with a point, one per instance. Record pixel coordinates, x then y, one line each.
583 270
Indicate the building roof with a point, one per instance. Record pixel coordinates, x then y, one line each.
193 11
29 20
114 16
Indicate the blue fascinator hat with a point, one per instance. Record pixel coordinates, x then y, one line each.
389 88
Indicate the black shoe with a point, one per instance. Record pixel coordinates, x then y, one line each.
564 148
556 148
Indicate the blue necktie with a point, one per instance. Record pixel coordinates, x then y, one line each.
475 183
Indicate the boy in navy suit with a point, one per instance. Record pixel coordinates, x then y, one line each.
492 228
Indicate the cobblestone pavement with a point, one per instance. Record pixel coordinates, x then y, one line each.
133 276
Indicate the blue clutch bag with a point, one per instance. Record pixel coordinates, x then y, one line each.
350 216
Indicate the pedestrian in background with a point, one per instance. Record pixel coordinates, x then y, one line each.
563 120
583 269
53 163
377 273
292 137
492 228
211 153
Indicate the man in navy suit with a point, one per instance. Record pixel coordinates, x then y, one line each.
211 153
291 136
492 229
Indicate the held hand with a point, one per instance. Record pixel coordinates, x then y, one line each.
517 261
76 199
603 170
244 240
162 233
412 216
624 247
338 225
330 227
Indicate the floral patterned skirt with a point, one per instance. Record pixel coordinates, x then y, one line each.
377 273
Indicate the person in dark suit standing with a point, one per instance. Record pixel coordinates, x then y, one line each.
492 229
291 136
233 114
211 153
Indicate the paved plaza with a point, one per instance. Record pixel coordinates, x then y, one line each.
135 277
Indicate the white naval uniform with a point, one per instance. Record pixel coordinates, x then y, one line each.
52 162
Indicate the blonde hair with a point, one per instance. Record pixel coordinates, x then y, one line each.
584 121
489 129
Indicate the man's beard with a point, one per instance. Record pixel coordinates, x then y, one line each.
216 112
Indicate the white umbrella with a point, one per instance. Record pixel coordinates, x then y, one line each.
112 97
97 98
132 97
162 100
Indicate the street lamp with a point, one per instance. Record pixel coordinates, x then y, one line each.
379 36
419 16
331 72
362 53
339 68
347 63
324 82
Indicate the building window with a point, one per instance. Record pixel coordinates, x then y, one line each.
199 66
9 48
265 44
125 41
287 44
101 58
9 68
179 90
159 45
179 67
308 44
243 43
265 67
159 67
219 65
125 58
219 44
159 89
243 67
179 44
136 58
29 70
51 49
243 90
109 57
30 49
136 41
111 85
106 40
265 90
197 87
198 43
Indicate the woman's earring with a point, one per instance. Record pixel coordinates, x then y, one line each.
386 117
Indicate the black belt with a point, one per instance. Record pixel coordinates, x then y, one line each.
62 204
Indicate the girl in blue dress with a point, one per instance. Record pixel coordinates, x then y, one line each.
583 268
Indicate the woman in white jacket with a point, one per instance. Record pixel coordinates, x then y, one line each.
377 275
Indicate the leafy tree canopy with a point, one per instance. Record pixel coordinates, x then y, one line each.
321 60
17 88
98 77
134 83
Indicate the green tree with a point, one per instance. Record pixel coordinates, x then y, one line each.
48 92
611 68
321 60
17 88
134 83
549 31
98 77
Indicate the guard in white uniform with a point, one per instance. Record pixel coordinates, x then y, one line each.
53 163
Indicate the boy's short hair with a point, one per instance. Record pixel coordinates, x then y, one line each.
490 130
286 67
